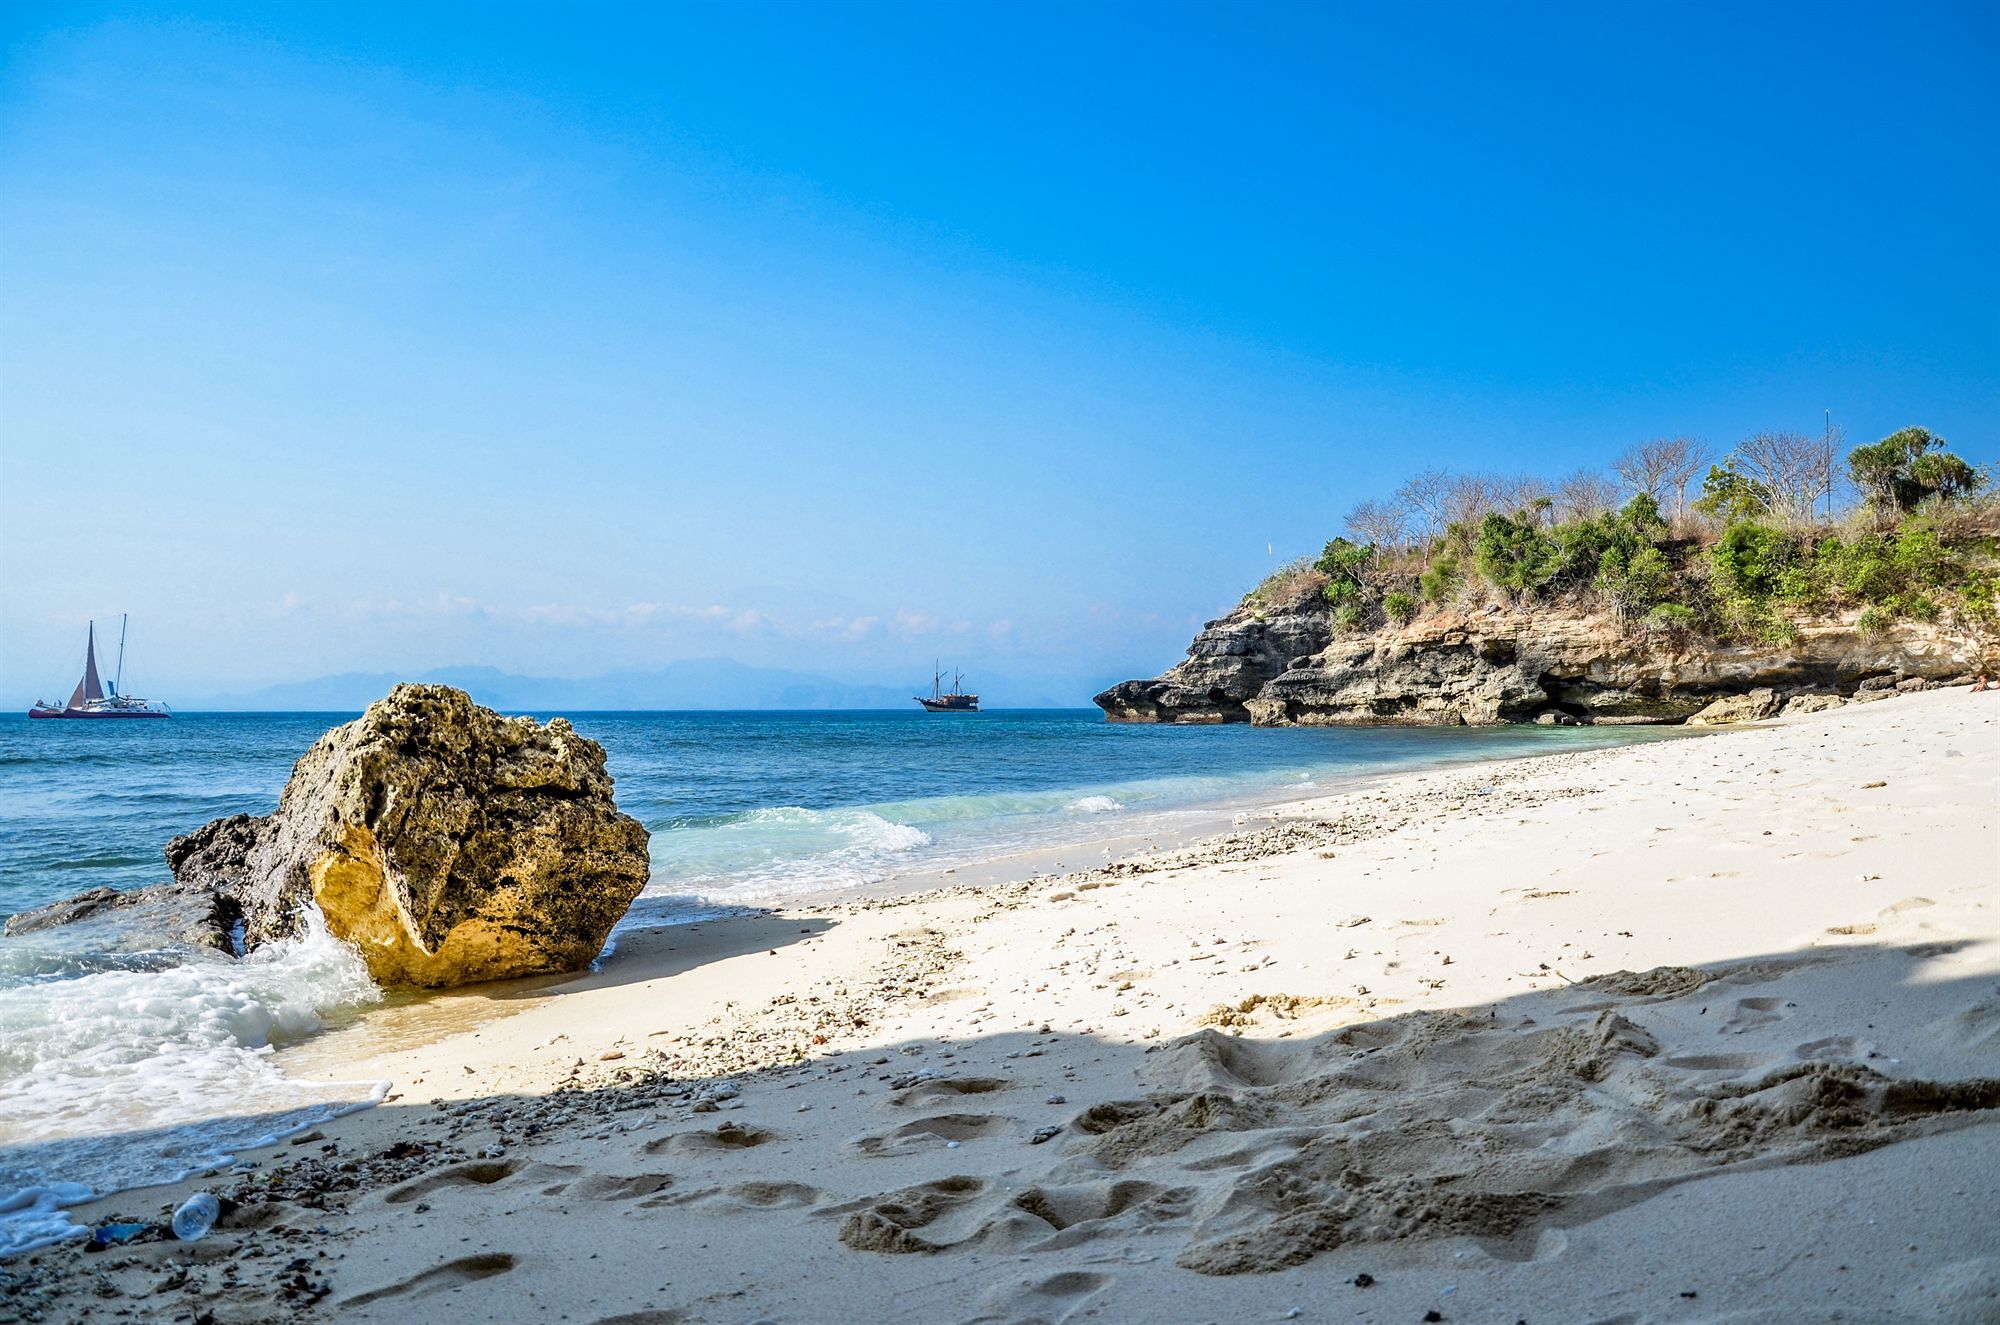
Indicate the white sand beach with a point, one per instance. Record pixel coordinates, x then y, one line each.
1699 1030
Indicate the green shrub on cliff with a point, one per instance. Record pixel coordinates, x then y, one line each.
1748 560
1671 619
1616 554
1759 570
1979 597
1513 552
1729 495
1907 468
1635 582
1442 580
1755 562
1285 586
1343 562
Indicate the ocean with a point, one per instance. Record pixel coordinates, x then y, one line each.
121 1070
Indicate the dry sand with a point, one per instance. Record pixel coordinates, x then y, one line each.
1699 1030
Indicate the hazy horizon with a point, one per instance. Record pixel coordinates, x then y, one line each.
691 685
365 340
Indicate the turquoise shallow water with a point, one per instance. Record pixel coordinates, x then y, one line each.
740 805
118 1070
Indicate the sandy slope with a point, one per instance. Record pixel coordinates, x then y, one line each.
1386 1037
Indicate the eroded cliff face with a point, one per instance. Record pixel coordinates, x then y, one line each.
1502 665
1228 665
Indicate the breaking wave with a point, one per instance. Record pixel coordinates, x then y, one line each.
1094 805
126 1071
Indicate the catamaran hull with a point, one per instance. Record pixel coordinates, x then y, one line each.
98 713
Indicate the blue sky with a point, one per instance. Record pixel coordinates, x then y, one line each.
345 338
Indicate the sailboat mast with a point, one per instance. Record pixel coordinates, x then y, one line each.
118 681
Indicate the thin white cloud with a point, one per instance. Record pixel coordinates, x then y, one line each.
904 623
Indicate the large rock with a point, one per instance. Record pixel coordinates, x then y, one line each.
135 920
1228 663
1750 706
1501 664
447 843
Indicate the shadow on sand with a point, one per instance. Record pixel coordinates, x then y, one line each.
1280 1132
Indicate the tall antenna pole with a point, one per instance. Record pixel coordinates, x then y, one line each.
118 682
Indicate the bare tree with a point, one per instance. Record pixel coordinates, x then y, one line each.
1643 469
1468 498
1423 496
1685 457
1797 470
1380 523
1515 493
1833 444
1584 495
1662 469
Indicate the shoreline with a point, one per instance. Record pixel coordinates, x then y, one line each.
832 1081
1217 831
1189 823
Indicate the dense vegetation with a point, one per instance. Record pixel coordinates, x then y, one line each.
1779 532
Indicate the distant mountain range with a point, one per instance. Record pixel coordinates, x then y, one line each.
696 683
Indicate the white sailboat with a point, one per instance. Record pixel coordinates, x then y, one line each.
90 699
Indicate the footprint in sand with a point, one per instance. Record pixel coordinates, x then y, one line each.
1850 931
772 1195
439 1279
947 1089
612 1187
1976 1027
889 1223
1907 904
476 1173
1833 1046
1080 1212
1752 1013
933 1133
744 1196
1064 1296
723 1140
1716 1062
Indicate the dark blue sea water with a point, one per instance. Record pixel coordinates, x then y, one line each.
118 1070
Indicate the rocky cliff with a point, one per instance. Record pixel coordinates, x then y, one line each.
1227 666
1498 664
446 842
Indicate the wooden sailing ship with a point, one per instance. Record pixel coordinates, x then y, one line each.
954 700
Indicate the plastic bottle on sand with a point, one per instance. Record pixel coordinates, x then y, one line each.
196 1216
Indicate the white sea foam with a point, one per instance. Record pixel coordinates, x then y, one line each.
1094 805
144 1073
779 850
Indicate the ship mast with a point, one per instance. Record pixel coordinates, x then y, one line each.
118 681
